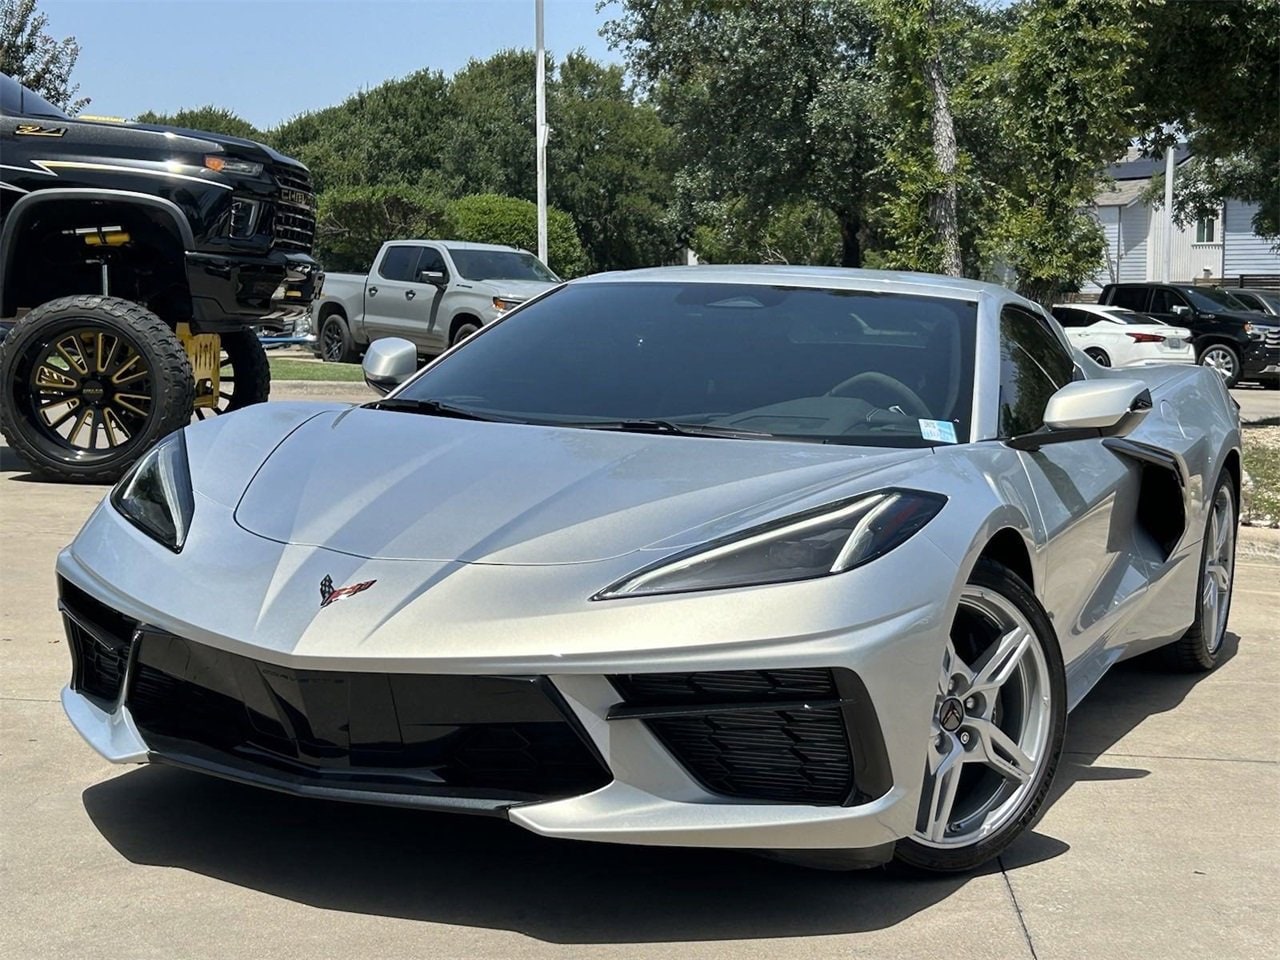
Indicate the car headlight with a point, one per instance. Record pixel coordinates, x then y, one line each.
155 495
220 164
817 543
503 304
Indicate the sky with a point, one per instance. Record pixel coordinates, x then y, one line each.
269 60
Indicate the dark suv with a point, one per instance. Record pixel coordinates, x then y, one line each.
1237 342
135 263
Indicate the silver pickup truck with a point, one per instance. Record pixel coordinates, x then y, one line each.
431 292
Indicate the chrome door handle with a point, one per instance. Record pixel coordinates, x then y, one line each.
409 294
373 291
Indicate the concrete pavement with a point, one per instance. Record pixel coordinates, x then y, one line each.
1162 841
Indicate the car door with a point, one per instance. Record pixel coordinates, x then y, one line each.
397 302
1082 490
1163 301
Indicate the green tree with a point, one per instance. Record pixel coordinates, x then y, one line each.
734 231
1065 103
1210 75
392 134
353 222
773 101
210 118
490 142
492 218
34 58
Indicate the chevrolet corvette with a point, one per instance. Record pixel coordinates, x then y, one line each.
805 561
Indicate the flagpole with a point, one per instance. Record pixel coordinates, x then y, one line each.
541 96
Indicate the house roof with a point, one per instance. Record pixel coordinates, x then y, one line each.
1131 176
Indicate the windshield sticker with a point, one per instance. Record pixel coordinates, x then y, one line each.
939 431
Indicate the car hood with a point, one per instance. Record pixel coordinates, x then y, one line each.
403 486
516 289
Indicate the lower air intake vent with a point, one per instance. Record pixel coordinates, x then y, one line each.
789 736
99 638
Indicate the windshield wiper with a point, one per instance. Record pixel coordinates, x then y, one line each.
666 426
437 408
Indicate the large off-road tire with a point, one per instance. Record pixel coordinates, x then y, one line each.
336 343
89 384
998 724
1199 648
244 375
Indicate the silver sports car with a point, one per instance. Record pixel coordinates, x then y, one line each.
807 561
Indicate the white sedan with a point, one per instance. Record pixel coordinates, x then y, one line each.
1114 337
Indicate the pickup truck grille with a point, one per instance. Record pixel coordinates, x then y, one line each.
293 224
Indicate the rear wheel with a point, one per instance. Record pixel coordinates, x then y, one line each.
998 725
1198 648
90 383
244 374
1223 360
1098 356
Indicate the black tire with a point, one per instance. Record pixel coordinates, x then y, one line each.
244 377
1098 356
336 345
1024 814
140 387
1222 358
462 330
1199 649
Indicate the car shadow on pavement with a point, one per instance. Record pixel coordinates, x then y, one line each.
483 872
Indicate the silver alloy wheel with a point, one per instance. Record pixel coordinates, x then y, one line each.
991 728
1219 568
1221 360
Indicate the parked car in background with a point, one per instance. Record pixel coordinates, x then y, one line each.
1237 342
1258 299
432 293
1114 337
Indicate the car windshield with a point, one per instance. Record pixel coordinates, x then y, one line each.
719 359
501 265
1208 298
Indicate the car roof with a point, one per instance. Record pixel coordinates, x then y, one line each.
845 278
464 245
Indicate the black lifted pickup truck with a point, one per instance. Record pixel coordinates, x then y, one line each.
135 263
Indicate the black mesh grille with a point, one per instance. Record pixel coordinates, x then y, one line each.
293 224
99 639
775 735
480 736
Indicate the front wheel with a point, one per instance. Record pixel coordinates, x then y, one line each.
336 345
89 384
998 723
1223 360
464 329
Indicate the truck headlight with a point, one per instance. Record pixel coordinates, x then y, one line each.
817 543
220 164
155 495
503 304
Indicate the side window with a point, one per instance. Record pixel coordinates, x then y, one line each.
1033 365
1131 298
1067 317
1163 300
398 263
431 259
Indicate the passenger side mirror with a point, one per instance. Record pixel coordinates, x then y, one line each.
1089 409
1181 310
389 362
435 277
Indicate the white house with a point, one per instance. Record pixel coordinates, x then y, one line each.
1222 247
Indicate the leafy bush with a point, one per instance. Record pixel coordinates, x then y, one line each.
493 218
353 222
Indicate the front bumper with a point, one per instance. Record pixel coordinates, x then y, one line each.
229 292
1262 359
648 795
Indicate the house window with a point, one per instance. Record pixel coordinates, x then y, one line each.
1207 230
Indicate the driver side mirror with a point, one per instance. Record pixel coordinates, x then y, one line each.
1089 409
388 363
436 278
1181 310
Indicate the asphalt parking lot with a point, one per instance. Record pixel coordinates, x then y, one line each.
1162 841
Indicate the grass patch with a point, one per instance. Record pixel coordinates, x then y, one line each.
1262 464
283 368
